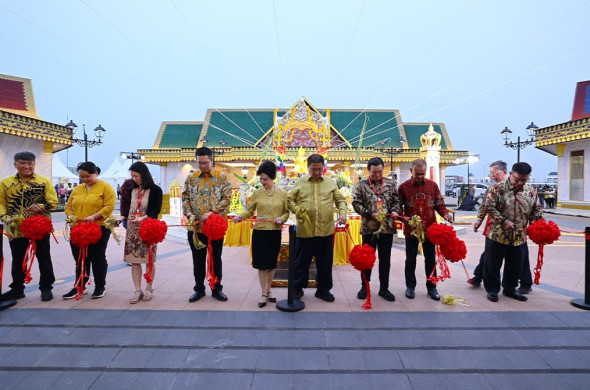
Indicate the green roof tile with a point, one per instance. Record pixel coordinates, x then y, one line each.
380 125
249 126
177 135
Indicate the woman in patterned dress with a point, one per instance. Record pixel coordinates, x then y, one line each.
146 201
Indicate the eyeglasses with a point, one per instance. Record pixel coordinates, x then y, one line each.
518 180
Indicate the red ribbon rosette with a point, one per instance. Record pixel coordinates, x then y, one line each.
34 228
152 231
542 233
440 234
82 235
214 228
363 258
455 250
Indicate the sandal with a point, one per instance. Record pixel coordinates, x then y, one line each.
262 301
147 296
271 298
138 297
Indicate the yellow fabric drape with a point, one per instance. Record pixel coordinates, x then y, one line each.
238 234
343 244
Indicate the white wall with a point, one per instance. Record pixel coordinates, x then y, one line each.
563 169
171 171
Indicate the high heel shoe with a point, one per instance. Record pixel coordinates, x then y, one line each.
262 301
138 297
271 298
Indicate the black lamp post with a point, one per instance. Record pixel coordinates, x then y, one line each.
133 156
98 131
391 152
506 133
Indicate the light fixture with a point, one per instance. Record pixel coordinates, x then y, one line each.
244 171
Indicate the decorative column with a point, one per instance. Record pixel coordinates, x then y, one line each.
430 151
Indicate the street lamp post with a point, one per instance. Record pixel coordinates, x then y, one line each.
467 160
506 133
391 152
133 156
98 131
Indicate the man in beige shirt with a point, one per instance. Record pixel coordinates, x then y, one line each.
312 200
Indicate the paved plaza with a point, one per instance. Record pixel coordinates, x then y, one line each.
169 343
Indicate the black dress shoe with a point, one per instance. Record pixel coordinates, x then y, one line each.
432 293
524 290
46 295
410 293
298 294
493 297
515 295
196 296
387 295
325 296
219 295
475 281
13 294
362 294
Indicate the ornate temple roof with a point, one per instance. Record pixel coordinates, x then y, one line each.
249 129
18 115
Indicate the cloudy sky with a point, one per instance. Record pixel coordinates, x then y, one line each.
475 65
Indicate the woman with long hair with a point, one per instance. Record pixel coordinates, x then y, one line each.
94 201
146 202
270 205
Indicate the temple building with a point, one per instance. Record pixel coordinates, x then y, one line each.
242 138
570 142
22 130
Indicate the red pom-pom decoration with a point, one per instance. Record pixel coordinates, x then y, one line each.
153 231
362 257
455 250
36 227
440 234
542 232
215 227
85 233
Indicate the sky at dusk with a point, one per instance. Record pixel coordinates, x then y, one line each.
476 66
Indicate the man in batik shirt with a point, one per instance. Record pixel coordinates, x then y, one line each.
25 194
511 205
421 197
371 196
206 191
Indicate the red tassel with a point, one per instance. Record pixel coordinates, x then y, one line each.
148 274
210 270
29 259
367 305
539 265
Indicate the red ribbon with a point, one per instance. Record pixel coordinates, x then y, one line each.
82 254
367 305
150 271
210 270
539 265
445 273
28 260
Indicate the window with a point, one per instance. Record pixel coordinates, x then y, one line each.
577 175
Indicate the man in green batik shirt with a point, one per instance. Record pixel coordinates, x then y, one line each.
312 200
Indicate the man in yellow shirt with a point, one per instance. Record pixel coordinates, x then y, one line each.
26 194
206 191
312 200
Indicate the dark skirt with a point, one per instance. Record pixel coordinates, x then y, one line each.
266 245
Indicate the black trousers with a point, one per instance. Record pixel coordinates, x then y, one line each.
429 261
320 248
478 272
495 254
97 258
526 279
200 261
18 248
383 245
